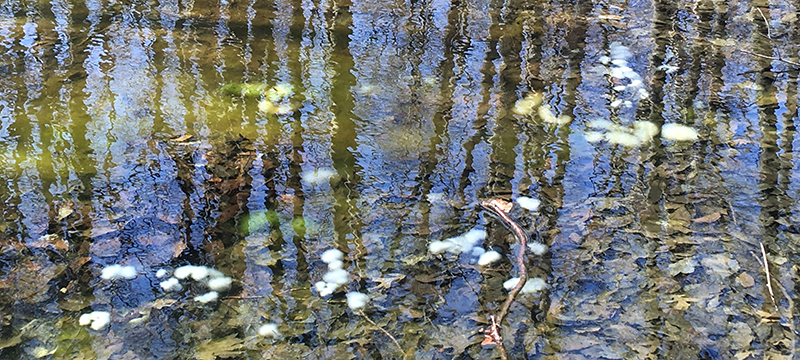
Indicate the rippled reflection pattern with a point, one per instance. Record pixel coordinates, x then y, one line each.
250 137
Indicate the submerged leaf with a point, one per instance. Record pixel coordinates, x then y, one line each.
708 218
229 346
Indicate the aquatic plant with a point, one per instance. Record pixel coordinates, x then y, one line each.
243 89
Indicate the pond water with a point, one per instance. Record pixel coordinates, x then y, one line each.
247 138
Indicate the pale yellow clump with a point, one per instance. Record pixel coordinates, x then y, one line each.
645 130
280 91
267 106
593 136
547 115
678 132
526 105
621 138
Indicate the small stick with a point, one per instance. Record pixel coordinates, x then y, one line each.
769 57
769 34
381 329
766 270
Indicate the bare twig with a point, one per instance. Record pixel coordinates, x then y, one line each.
766 270
771 40
733 212
770 57
381 329
766 23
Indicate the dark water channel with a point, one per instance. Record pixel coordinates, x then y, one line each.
247 138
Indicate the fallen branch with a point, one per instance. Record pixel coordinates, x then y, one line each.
500 209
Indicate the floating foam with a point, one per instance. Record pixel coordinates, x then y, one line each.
337 276
537 248
621 138
546 114
171 284
440 247
511 283
96 320
526 105
336 264
356 300
207 297
593 136
602 124
324 289
528 203
489 257
678 132
645 130
533 286
331 255
269 330
184 272
220 283
117 272
280 91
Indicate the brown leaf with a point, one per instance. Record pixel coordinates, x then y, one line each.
50 240
708 218
681 302
106 247
182 138
157 239
745 279
65 210
79 262
178 248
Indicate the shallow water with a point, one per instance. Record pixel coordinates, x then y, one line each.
126 137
